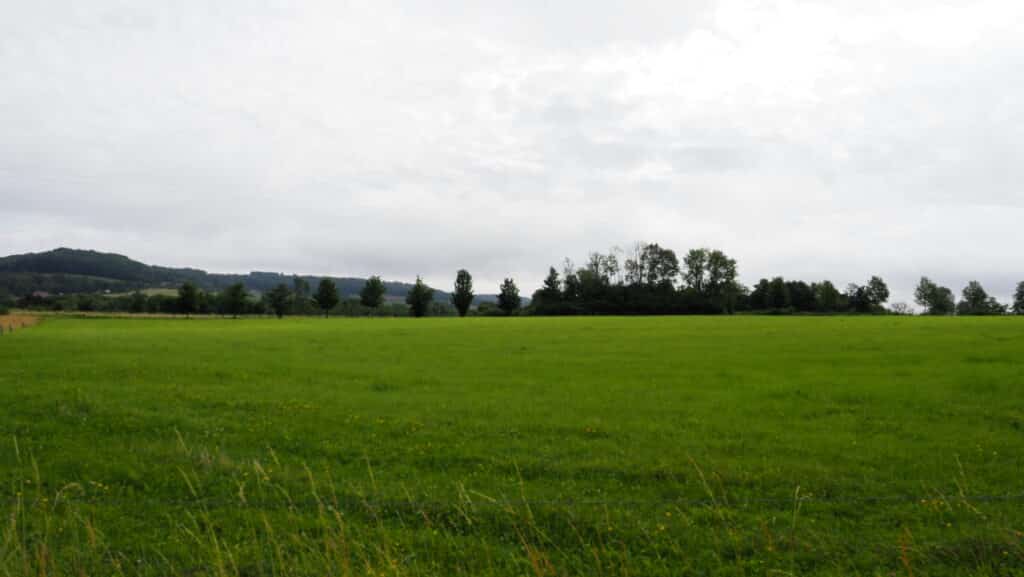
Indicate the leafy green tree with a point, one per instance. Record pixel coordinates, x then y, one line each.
419 298
234 299
508 297
976 301
711 276
300 287
279 299
137 303
974 297
778 294
661 264
300 296
857 297
868 298
571 287
652 265
801 296
326 296
944 302
877 291
826 296
547 299
759 295
603 268
634 266
188 298
924 293
552 287
593 286
551 290
721 273
205 300
372 293
695 267
935 299
462 296
1018 299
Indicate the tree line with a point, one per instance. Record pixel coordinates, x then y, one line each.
648 280
284 300
652 279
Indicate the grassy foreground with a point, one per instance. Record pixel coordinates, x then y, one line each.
533 446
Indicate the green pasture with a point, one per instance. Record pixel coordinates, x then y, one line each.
518 446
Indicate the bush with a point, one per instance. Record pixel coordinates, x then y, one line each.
489 309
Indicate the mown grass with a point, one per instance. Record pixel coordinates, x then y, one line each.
533 446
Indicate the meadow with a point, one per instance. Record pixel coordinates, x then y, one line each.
513 446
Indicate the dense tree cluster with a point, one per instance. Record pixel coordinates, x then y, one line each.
779 296
939 300
647 281
650 280
934 299
976 302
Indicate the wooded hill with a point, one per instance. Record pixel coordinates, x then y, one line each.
70 271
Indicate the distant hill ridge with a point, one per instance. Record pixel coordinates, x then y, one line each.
68 270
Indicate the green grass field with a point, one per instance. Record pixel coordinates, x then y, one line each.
527 446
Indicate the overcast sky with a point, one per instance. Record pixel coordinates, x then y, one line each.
806 139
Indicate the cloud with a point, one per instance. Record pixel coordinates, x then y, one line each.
808 139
